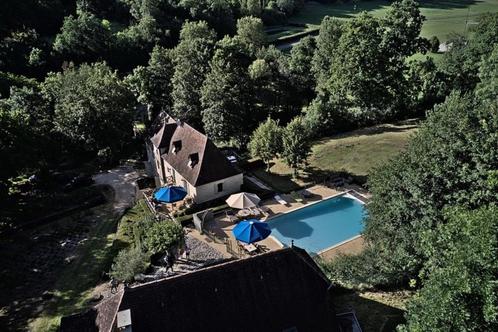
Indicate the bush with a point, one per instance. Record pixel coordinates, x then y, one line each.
162 236
434 44
129 263
356 271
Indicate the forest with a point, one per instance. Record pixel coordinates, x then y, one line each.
74 76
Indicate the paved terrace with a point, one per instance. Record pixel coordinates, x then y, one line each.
221 227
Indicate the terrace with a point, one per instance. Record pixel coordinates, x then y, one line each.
218 231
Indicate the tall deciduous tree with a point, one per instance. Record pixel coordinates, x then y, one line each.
191 59
296 144
488 74
327 42
300 66
460 292
226 94
250 31
449 162
83 38
93 108
266 141
152 84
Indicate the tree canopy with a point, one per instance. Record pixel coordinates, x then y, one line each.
92 107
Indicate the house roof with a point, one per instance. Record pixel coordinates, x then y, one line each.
212 165
269 292
99 318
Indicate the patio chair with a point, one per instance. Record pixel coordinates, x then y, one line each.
306 194
231 216
265 210
280 200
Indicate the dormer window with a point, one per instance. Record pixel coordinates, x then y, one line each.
193 160
177 146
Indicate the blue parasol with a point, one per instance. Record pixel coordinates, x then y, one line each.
251 230
170 194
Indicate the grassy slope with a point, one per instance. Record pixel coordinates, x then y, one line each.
442 16
376 311
362 150
76 283
356 152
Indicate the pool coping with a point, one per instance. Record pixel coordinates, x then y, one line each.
344 193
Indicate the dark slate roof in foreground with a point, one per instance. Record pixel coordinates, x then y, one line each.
212 165
269 292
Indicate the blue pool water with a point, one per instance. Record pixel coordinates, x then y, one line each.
321 225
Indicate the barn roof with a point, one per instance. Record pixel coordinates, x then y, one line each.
274 291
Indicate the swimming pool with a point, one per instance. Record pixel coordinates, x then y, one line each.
321 225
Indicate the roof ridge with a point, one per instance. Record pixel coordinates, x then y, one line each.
212 267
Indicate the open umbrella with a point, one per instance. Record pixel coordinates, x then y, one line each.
170 194
243 200
251 230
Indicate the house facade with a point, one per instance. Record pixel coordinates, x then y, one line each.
180 155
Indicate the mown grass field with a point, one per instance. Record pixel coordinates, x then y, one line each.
357 153
443 17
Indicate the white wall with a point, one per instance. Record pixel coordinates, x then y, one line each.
209 191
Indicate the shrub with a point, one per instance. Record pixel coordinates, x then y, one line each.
162 236
129 263
434 44
356 271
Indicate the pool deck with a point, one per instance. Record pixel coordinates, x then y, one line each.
222 228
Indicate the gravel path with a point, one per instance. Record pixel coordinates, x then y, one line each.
122 180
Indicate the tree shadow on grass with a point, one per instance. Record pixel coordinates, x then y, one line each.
313 174
372 315
376 130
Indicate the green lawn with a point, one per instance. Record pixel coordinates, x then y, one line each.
355 153
376 311
442 16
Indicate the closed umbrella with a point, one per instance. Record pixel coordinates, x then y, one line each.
251 230
170 194
243 200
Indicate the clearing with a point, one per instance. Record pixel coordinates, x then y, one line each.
443 17
356 153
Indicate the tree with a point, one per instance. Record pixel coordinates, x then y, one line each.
296 144
301 68
219 14
327 42
449 162
163 236
488 74
26 136
250 31
401 28
83 38
226 94
152 84
266 141
434 44
251 7
279 96
429 84
93 108
461 62
191 59
128 263
460 292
